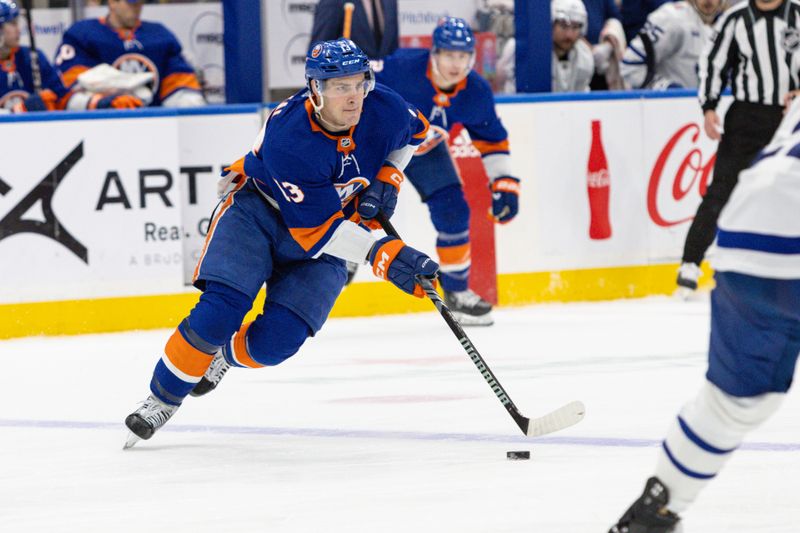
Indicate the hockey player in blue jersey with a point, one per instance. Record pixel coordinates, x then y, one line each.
442 84
17 92
755 334
326 159
121 39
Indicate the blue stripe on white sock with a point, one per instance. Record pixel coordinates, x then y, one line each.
685 471
699 442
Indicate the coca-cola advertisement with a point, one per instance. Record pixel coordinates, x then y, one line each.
605 183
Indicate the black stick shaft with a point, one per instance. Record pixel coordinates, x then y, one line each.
36 70
464 340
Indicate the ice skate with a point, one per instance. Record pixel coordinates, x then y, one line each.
469 308
688 274
147 419
649 513
212 377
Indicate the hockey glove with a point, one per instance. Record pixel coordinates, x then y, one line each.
114 101
382 193
505 199
392 260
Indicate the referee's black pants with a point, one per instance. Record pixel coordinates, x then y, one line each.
748 128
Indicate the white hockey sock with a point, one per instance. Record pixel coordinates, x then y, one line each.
704 436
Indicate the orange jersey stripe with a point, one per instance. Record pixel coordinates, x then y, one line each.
186 357
71 76
179 80
223 208
308 237
454 255
240 348
486 147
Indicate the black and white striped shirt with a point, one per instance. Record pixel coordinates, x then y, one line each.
757 52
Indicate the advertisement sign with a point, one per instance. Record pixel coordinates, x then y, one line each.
208 143
95 214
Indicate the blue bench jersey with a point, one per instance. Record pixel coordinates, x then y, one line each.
16 79
471 103
148 48
314 176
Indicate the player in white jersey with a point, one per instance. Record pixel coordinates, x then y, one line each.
755 334
665 53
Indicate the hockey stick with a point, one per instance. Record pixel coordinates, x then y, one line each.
348 19
561 418
36 70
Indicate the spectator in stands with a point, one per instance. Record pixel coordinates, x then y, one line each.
375 26
17 88
665 53
148 66
572 64
635 12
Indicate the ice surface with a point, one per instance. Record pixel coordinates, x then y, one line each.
381 425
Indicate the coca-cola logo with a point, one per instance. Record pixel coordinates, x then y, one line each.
690 178
601 178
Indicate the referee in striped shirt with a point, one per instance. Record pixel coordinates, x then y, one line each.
755 49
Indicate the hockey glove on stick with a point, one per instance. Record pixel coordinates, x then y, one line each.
392 260
505 199
381 195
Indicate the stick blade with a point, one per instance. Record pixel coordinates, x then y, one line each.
561 418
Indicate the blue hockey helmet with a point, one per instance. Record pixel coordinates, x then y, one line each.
453 33
8 11
335 59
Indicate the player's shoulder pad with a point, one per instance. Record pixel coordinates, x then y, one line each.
83 29
386 102
479 84
398 59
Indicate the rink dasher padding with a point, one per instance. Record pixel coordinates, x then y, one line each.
102 315
101 231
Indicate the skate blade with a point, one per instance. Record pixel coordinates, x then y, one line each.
471 320
130 441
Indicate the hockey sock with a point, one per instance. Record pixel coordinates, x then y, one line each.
703 437
450 216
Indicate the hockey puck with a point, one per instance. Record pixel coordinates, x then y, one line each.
517 456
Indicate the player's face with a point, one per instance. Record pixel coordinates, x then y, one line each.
452 66
344 100
566 34
10 37
126 14
709 8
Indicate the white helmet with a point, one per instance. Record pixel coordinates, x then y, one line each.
570 11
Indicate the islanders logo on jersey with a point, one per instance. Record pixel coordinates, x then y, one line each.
347 191
137 64
436 135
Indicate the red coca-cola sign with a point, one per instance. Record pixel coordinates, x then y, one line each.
681 168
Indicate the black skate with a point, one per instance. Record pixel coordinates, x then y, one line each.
212 377
469 308
147 419
649 513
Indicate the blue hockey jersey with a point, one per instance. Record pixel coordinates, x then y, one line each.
148 48
471 103
313 176
16 80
